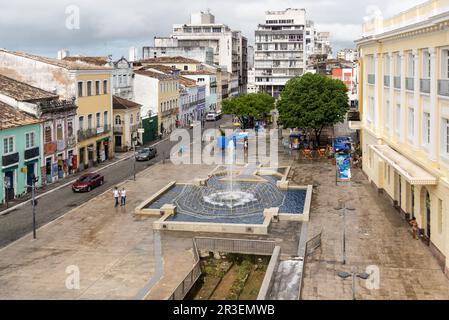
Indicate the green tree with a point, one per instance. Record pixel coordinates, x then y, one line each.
248 107
313 102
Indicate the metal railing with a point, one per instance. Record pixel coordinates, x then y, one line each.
410 84
397 82
372 79
84 134
443 87
253 247
386 81
256 247
424 85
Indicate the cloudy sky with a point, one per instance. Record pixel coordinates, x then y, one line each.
112 26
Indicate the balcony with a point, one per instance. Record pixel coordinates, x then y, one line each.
60 145
424 85
10 159
443 87
118 129
32 153
71 141
386 81
84 134
397 82
371 79
410 84
50 148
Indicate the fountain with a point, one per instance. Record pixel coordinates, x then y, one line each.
233 196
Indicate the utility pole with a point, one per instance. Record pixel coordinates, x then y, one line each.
34 179
344 232
134 150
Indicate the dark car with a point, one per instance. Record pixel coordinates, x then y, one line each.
88 182
146 154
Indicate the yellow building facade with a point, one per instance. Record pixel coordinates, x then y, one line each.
404 102
94 133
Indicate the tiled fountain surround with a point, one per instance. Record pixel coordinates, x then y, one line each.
168 211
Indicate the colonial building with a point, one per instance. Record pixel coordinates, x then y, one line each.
404 95
58 120
158 93
193 101
89 84
126 122
20 136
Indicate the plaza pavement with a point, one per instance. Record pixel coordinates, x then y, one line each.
113 250
376 235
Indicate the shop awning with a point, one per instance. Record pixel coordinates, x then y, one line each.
413 173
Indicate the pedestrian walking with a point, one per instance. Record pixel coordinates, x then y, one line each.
116 196
123 197
414 224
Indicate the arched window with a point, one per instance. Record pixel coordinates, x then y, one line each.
118 120
131 119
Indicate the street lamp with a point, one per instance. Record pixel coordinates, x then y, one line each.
34 180
344 227
362 275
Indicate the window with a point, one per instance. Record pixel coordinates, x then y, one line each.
97 88
70 128
59 131
426 64
118 120
98 116
411 123
371 109
47 134
105 118
387 114
105 86
80 89
445 133
29 140
89 88
81 122
411 65
131 119
426 128
398 119
8 145
186 68
89 121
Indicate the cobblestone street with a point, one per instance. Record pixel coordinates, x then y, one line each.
375 235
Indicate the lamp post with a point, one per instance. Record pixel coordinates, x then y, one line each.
362 275
34 179
134 151
344 208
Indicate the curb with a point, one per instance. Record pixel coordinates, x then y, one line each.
9 210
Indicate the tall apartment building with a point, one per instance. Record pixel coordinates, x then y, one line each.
280 49
229 46
323 44
404 98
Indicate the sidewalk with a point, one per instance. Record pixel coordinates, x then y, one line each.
375 235
118 157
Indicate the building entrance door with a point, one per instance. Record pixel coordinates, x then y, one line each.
9 185
428 214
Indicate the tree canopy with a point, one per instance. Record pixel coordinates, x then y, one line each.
313 101
247 107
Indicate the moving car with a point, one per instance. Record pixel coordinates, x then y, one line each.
213 116
87 182
146 154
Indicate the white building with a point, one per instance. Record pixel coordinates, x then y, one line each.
280 49
169 47
347 54
252 88
132 54
122 79
229 46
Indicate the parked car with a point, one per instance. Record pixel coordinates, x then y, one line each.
88 182
146 154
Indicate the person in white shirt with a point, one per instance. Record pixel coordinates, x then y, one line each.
123 197
116 196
